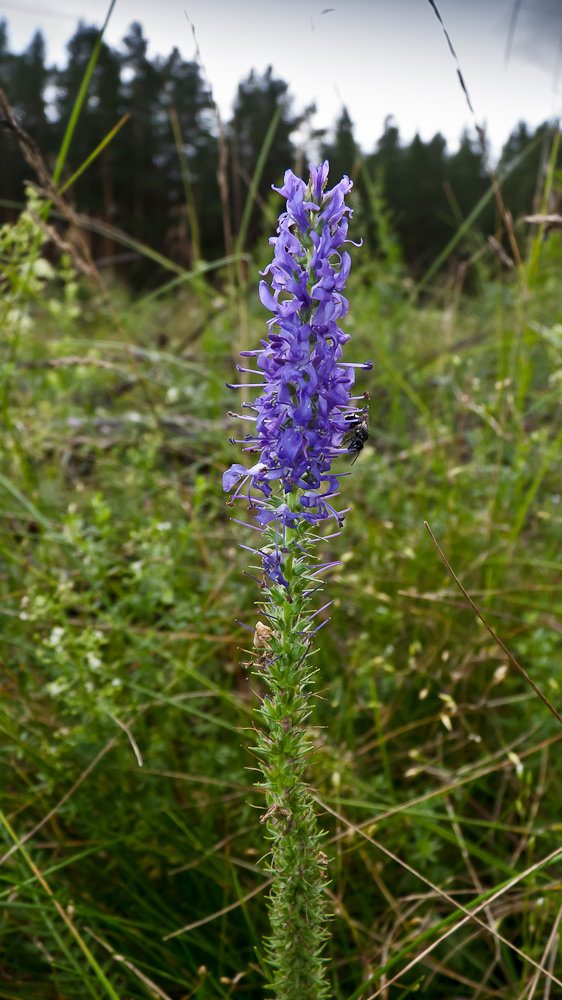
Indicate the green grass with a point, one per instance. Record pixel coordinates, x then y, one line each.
120 586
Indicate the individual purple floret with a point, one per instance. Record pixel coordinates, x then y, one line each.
306 407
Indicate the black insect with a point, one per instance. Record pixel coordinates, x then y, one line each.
358 434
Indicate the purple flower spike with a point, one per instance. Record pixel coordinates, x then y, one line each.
306 412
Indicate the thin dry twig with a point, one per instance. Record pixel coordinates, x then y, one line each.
469 914
495 637
27 836
480 889
153 988
552 938
125 728
220 913
83 260
551 961
108 746
222 166
212 850
64 914
452 786
499 250
544 220
539 792
505 213
481 411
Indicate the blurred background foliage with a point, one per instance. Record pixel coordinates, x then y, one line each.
128 812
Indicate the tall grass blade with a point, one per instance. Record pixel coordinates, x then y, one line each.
80 97
69 923
472 217
256 178
186 179
547 189
107 139
187 277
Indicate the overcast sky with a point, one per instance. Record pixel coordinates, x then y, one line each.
378 57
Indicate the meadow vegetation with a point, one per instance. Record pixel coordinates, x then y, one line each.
132 853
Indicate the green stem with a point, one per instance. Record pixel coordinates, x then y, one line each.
297 900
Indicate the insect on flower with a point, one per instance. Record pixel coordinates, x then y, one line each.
357 435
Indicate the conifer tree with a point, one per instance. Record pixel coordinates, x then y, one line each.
342 151
256 102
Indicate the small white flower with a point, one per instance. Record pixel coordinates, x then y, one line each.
56 687
55 636
42 268
515 760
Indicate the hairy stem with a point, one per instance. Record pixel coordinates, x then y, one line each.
297 900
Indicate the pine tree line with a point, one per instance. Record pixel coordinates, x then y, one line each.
136 183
